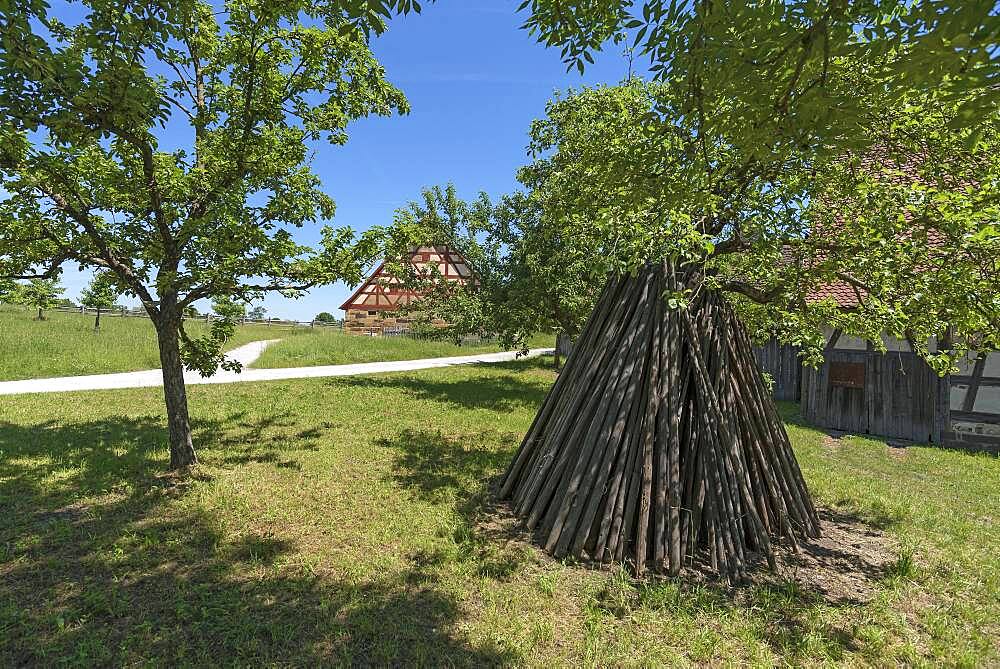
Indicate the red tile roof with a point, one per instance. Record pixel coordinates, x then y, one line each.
842 293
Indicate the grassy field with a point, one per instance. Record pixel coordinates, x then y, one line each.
329 346
323 529
65 344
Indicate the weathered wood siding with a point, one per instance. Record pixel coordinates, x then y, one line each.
899 397
902 397
781 361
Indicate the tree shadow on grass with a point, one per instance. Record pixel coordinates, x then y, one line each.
463 471
144 575
496 393
136 583
839 574
53 463
432 464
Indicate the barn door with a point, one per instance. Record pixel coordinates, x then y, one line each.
833 396
902 396
847 376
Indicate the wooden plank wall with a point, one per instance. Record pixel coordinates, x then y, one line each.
832 406
900 397
781 361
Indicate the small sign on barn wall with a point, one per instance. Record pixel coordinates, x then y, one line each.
847 374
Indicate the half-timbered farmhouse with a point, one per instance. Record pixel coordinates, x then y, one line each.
371 309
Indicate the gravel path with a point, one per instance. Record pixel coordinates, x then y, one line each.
245 354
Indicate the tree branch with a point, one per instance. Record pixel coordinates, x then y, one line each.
754 293
109 260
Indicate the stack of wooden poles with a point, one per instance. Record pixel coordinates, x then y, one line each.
659 444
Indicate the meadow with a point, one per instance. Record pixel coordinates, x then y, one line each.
65 344
322 528
329 346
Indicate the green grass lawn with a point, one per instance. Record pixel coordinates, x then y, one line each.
65 344
344 521
329 346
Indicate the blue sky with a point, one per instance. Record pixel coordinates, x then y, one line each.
474 81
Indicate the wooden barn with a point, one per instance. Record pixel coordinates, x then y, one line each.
370 310
895 394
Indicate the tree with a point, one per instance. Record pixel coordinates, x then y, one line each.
906 224
40 294
90 180
7 289
783 147
100 293
257 313
325 317
529 278
548 284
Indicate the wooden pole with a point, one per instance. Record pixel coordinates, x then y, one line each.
659 444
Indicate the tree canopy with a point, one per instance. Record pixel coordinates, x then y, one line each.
906 223
101 292
93 177
907 227
773 62
325 317
787 146
40 294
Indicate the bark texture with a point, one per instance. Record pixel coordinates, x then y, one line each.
564 346
659 444
175 394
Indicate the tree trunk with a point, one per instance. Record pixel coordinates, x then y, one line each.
97 320
175 394
659 444
40 316
564 346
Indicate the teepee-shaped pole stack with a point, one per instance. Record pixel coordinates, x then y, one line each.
659 442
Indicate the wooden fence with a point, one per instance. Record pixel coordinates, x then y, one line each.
280 323
208 318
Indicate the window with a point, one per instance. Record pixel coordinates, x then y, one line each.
373 313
